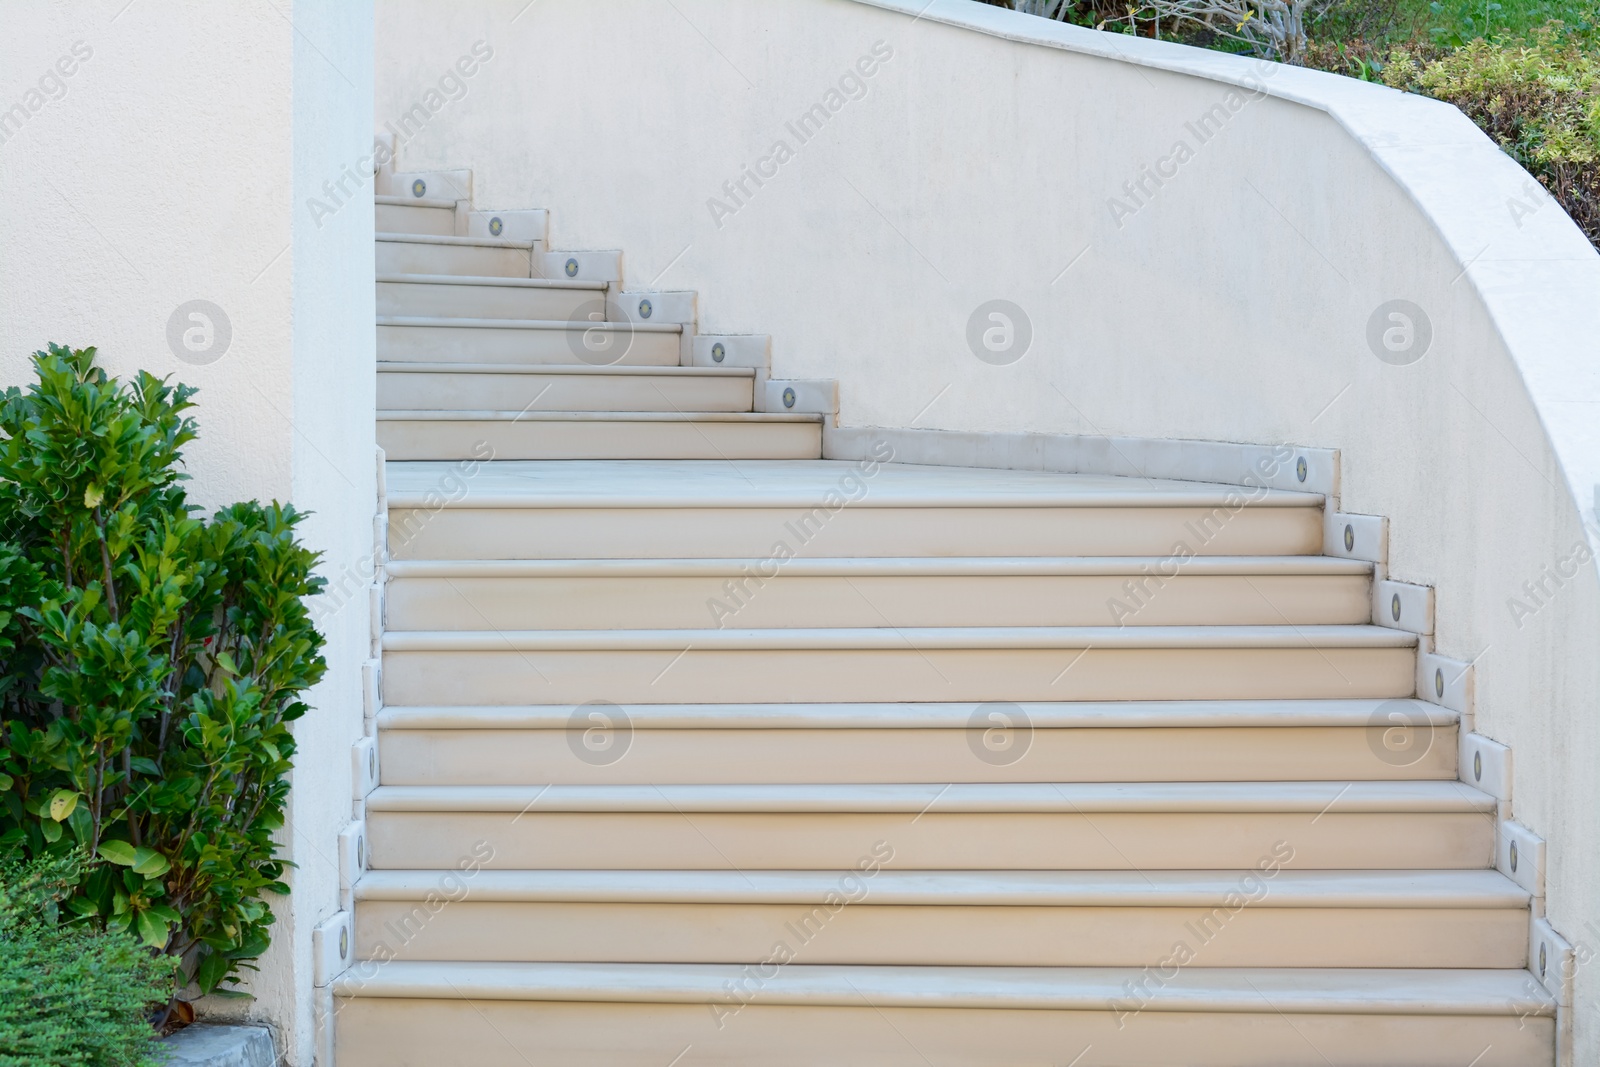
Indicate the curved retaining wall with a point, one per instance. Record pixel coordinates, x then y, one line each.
1201 246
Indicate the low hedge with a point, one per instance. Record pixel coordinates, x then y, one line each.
1539 99
71 994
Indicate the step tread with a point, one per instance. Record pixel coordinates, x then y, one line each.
919 637
394 237
807 483
451 415
490 279
857 566
1075 797
414 201
1088 889
1279 990
443 321
615 370
1064 715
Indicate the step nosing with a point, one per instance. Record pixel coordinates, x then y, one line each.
562 369
855 487
1275 991
431 322
491 280
1287 889
746 418
1073 798
1264 714
534 496
436 203
908 638
398 237
893 566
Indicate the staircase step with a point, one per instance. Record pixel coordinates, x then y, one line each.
440 435
1052 826
528 341
456 296
899 663
788 1015
389 200
413 253
771 510
1271 917
486 386
1371 740
972 591
413 215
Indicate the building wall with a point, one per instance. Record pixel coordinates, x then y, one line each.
173 165
1231 301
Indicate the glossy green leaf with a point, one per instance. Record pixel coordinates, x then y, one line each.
119 852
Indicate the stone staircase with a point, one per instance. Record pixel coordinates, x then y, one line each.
697 748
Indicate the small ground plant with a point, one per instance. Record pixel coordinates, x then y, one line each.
71 995
150 665
1539 99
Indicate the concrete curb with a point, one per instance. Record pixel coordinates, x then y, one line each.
206 1045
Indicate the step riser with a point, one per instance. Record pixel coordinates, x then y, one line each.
483 301
852 530
708 757
830 675
486 1033
433 440
490 344
402 391
867 934
397 218
932 841
581 603
399 257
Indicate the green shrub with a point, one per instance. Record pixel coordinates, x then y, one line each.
152 665
1539 100
71 995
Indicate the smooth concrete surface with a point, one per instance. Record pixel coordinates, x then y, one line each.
451 387
999 840
209 1045
992 155
375 1033
946 1016
503 602
1115 714
518 435
656 483
945 934
1154 754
